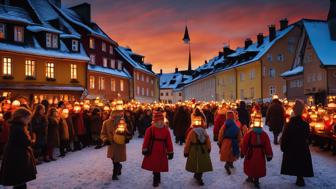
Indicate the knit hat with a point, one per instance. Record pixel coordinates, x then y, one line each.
158 116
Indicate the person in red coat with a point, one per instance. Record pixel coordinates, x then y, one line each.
256 148
157 148
219 122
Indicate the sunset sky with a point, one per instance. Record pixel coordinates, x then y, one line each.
155 28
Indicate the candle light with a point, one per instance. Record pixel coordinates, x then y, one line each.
77 109
65 113
16 103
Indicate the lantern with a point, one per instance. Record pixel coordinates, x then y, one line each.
97 101
119 105
197 121
16 103
257 120
106 108
86 107
100 104
120 133
319 127
1 116
65 113
275 97
77 109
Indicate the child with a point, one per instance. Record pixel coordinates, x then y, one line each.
197 149
157 148
256 147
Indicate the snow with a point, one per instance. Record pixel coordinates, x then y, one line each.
42 87
126 53
292 72
173 80
319 35
108 71
41 28
14 14
90 168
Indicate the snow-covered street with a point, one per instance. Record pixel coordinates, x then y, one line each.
91 169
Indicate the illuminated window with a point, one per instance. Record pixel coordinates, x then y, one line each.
92 82
2 31
113 64
73 71
7 66
103 46
50 70
74 45
113 85
119 65
18 34
121 85
272 90
105 62
51 40
30 68
55 41
101 83
92 59
92 43
111 49
48 40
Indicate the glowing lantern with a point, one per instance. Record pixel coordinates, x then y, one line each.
257 121
86 107
77 109
119 136
275 97
97 101
100 104
319 127
119 105
65 113
106 108
16 103
1 116
197 121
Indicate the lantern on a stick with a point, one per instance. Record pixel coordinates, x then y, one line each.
120 133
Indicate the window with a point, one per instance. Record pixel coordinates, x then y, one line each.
92 82
242 94
105 62
242 76
313 77
91 43
138 90
74 45
142 77
111 49
269 57
180 94
147 92
103 46
319 76
101 83
113 85
252 92
113 64
52 40
264 71
272 90
2 31
167 94
92 59
272 73
121 85
7 66
73 71
18 34
284 89
147 79
50 70
143 91
152 81
161 94
119 65
281 57
152 93
252 74
138 76
30 68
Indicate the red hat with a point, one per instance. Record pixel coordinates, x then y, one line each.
158 116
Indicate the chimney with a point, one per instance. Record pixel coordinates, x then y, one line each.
226 50
176 70
57 3
332 20
272 32
205 62
83 10
260 39
248 42
220 54
283 24
161 71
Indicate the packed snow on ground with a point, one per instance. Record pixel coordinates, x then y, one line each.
91 169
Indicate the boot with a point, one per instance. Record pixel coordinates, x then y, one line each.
119 168
115 174
159 178
156 179
249 179
256 183
300 181
227 168
276 139
231 165
198 177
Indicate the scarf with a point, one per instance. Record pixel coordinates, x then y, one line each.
232 132
201 134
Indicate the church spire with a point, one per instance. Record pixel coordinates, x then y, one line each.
186 40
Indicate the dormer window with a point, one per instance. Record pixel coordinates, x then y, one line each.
111 49
2 31
92 59
92 43
74 45
103 46
18 34
119 65
113 64
51 40
105 62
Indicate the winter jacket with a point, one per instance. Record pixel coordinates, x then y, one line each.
181 123
53 138
18 165
63 130
296 160
39 126
145 122
96 124
228 144
275 117
219 122
158 144
78 121
244 116
256 147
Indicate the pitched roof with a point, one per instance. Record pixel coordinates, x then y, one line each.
295 71
16 14
120 73
319 36
173 80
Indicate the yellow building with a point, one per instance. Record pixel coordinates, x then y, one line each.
226 85
249 81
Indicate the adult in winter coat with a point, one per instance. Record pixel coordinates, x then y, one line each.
181 124
243 114
197 149
296 159
275 118
96 125
116 152
39 126
87 126
4 134
18 165
53 139
80 132
63 132
228 141
256 147
219 121
145 122
157 148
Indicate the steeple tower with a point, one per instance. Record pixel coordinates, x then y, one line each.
186 40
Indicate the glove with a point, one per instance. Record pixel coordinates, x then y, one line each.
170 156
145 152
186 155
269 158
242 156
107 143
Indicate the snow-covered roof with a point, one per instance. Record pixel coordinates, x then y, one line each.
319 35
17 14
292 72
43 87
36 28
127 53
110 71
212 63
173 80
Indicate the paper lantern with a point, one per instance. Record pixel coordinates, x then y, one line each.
86 107
106 108
119 136
65 113
77 109
16 103
197 121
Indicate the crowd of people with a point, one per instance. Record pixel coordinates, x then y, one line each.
30 135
